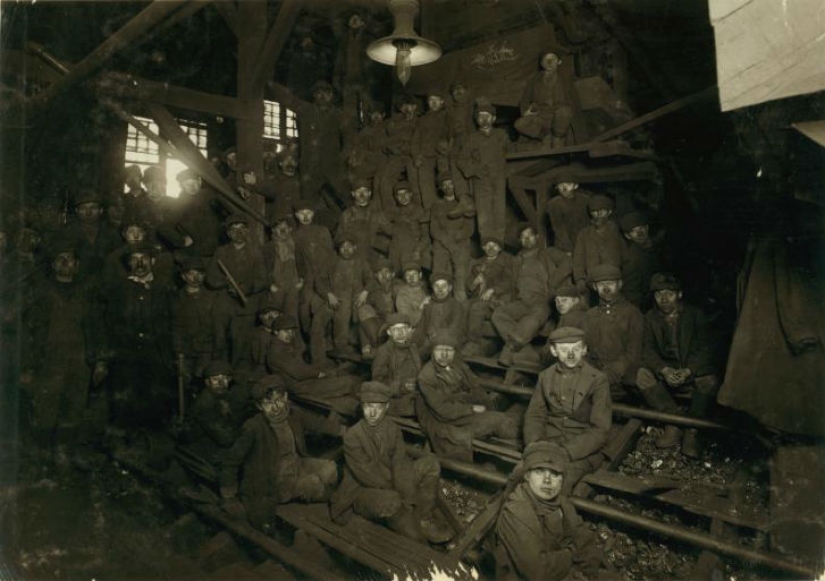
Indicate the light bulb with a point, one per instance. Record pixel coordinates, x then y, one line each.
403 67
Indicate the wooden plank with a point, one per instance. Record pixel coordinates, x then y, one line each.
478 528
229 13
640 171
275 41
126 86
523 201
130 33
494 364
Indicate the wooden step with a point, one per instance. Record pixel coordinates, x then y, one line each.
370 544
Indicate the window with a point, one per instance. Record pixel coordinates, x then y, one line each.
280 124
143 152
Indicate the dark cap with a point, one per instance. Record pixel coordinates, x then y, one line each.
285 322
378 262
267 384
443 176
361 182
568 290
153 174
484 104
407 99
227 152
487 239
321 85
566 335
217 367
192 263
602 272
132 169
664 281
397 319
62 242
187 174
302 204
522 226
235 218
142 248
441 275
269 303
444 337
600 202
411 265
346 235
544 455
630 221
402 185
88 196
375 392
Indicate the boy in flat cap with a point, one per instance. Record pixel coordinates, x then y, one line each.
271 455
314 255
538 532
492 284
286 359
344 288
381 482
370 226
431 131
483 162
442 312
281 262
538 271
193 223
546 111
453 409
380 304
599 243
193 335
568 215
613 329
570 307
60 332
397 364
676 357
401 129
371 141
284 189
244 260
94 238
411 296
642 257
571 405
451 235
410 229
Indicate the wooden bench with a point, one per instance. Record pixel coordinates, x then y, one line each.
372 545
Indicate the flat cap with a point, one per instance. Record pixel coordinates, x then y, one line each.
285 322
217 367
153 174
375 392
378 262
443 176
544 455
345 235
522 226
235 218
88 196
664 281
568 290
401 185
411 265
397 319
321 85
484 104
268 303
141 248
361 182
407 99
445 337
487 239
441 275
62 242
267 384
602 272
187 174
566 335
600 202
188 262
302 204
630 221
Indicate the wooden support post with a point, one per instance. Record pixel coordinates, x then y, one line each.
229 12
252 20
131 32
275 41
523 201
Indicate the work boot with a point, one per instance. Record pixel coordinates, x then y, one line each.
669 438
435 532
691 444
405 524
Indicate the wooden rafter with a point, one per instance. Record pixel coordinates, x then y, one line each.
132 32
275 41
229 12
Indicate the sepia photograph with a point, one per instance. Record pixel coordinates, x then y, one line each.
411 290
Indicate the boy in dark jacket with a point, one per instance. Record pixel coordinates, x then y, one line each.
271 454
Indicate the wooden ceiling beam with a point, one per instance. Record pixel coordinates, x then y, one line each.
276 41
132 32
229 13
